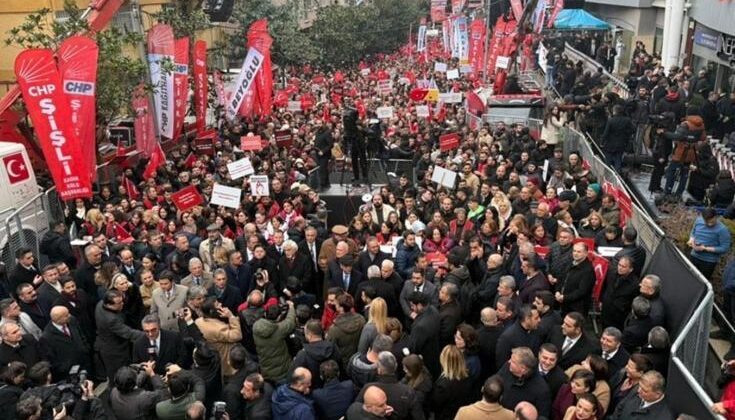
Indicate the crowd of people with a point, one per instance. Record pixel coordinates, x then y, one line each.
453 303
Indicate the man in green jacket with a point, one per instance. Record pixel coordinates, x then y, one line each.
270 342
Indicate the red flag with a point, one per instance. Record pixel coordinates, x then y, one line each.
360 107
474 104
189 161
201 87
157 159
78 67
145 135
280 99
120 151
325 112
410 76
307 101
600 265
181 83
48 107
122 235
130 187
417 94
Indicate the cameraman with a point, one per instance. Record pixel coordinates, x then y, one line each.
684 156
270 335
129 399
184 388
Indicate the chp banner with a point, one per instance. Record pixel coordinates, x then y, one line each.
181 83
78 67
259 39
145 129
48 107
477 44
201 87
251 65
161 49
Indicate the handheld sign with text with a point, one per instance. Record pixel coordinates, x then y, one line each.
502 62
223 195
452 74
450 97
186 198
384 112
422 111
251 143
448 142
259 185
384 87
440 67
444 177
240 168
294 106
204 146
284 139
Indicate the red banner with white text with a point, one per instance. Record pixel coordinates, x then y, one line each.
259 39
201 87
48 107
145 131
181 83
477 44
78 68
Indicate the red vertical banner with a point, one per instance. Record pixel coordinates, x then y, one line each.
259 39
517 7
219 87
477 44
201 87
145 131
48 107
181 83
78 67
161 52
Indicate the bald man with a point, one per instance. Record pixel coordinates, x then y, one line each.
375 405
488 289
526 410
64 345
290 401
487 336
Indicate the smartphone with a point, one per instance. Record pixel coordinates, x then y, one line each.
220 408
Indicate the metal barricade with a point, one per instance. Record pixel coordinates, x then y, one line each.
24 227
590 64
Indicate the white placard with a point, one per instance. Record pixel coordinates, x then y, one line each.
466 69
453 74
432 32
422 111
365 72
444 177
545 173
450 97
223 195
440 67
259 185
384 112
240 168
502 62
294 106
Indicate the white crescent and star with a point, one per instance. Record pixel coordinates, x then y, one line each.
10 168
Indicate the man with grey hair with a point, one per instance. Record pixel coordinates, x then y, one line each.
658 348
612 350
198 276
161 346
391 276
10 312
507 288
648 403
487 338
371 256
363 367
228 295
638 324
293 263
528 385
450 313
382 289
650 288
400 396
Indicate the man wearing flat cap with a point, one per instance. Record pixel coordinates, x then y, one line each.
329 247
215 239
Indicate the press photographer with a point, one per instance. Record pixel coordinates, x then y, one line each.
684 155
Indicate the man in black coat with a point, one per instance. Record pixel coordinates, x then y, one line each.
450 313
16 347
64 345
575 292
294 263
310 247
232 391
25 271
611 349
524 382
618 292
323 143
56 245
550 319
28 302
229 296
400 396
548 367
485 293
347 278
129 266
631 249
84 275
238 273
332 401
316 351
382 289
574 344
371 256
113 336
424 337
487 338
617 136
257 395
521 334
161 346
648 403
50 289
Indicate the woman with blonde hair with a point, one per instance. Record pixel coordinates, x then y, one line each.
133 309
453 388
592 225
377 323
94 221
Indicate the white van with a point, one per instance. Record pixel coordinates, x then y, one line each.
24 217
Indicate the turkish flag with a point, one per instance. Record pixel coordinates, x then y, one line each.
16 168
130 187
157 159
418 94
475 106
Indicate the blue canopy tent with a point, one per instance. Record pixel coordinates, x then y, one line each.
579 20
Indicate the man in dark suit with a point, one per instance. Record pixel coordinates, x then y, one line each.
348 278
310 247
574 344
611 349
129 267
238 273
294 263
275 250
113 336
575 292
371 256
618 292
417 283
391 276
25 271
648 403
382 290
521 334
450 313
28 302
84 275
229 296
424 337
548 368
487 337
17 347
64 345
550 319
161 346
50 289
